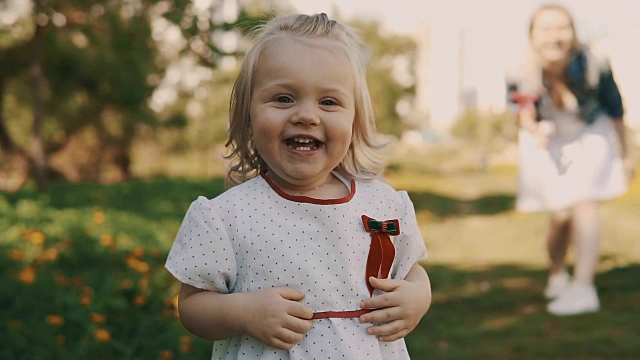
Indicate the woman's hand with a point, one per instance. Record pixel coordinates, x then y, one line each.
629 168
544 130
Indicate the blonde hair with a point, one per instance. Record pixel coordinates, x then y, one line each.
533 67
365 156
554 7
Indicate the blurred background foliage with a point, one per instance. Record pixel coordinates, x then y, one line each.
107 91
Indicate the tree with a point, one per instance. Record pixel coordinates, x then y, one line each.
78 81
92 67
87 65
391 75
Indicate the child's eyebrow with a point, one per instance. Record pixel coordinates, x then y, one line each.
279 85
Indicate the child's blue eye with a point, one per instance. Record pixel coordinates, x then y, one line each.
284 99
327 102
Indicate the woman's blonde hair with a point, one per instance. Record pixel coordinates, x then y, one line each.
559 8
533 67
365 156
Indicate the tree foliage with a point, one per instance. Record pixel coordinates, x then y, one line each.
86 70
85 64
85 83
391 75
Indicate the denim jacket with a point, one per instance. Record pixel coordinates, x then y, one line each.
594 99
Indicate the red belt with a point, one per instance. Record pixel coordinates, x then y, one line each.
340 314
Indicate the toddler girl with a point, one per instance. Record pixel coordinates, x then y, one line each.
308 255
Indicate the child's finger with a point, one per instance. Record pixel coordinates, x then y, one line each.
389 331
290 293
378 302
384 315
387 285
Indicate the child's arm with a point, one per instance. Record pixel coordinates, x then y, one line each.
273 316
402 306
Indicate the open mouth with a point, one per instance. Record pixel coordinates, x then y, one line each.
303 143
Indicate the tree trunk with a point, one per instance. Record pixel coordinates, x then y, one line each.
6 144
14 165
36 149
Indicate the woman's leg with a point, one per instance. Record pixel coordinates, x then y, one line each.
581 296
586 231
558 238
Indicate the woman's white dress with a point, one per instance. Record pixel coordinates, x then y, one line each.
581 162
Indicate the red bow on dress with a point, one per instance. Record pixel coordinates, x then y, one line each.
382 252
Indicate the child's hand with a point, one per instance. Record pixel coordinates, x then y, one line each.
398 310
275 317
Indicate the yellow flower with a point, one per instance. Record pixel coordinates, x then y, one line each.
140 299
61 339
166 355
99 217
56 320
97 318
50 254
107 240
137 265
126 283
137 252
171 306
16 255
27 275
102 335
185 344
85 299
34 236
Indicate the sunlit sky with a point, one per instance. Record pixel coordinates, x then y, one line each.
496 34
407 15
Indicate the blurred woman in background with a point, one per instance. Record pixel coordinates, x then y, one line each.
573 151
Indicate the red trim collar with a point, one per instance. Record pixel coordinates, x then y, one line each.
308 199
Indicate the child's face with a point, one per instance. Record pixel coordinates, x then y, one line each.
302 111
552 35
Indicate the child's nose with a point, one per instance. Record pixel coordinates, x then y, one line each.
307 114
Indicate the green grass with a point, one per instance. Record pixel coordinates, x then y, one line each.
82 273
488 268
88 258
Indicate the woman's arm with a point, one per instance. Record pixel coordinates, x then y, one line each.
629 165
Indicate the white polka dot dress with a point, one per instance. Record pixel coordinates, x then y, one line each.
254 236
